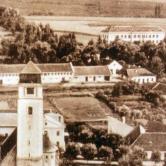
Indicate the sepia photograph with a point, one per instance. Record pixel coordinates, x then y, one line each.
82 82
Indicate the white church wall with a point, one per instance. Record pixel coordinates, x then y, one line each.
30 125
49 159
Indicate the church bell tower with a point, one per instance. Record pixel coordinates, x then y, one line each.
30 117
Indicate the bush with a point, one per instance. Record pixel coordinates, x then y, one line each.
89 151
72 150
105 152
123 163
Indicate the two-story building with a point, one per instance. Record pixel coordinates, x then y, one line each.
133 33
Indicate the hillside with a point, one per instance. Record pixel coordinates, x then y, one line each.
115 8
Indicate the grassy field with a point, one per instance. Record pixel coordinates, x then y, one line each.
81 108
129 8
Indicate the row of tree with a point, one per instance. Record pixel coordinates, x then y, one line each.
82 133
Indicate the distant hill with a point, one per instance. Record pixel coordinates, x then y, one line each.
114 8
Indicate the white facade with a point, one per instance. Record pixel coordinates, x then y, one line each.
53 77
55 127
144 79
133 34
114 67
141 75
88 78
9 78
49 158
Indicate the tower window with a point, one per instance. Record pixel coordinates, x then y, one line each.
59 118
58 133
30 110
57 143
30 91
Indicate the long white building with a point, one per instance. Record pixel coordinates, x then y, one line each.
133 33
61 72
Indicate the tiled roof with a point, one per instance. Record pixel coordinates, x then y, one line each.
57 67
160 87
91 70
17 68
31 68
14 68
154 126
117 28
133 135
152 141
133 72
8 119
2 138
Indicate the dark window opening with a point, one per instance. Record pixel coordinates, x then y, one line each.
107 78
59 119
30 91
58 133
30 110
57 143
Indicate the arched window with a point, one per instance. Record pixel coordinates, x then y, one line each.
30 110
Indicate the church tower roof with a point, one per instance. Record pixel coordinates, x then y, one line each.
31 68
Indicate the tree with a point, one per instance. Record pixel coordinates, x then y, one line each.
123 163
157 65
136 156
100 137
105 152
124 151
114 141
152 97
156 156
85 136
72 150
89 151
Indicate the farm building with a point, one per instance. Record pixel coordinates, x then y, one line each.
141 75
50 73
91 74
133 34
61 72
150 139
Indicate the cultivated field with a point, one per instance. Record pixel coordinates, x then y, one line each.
81 108
117 8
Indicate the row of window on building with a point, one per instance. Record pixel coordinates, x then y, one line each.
138 36
145 80
45 74
58 73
